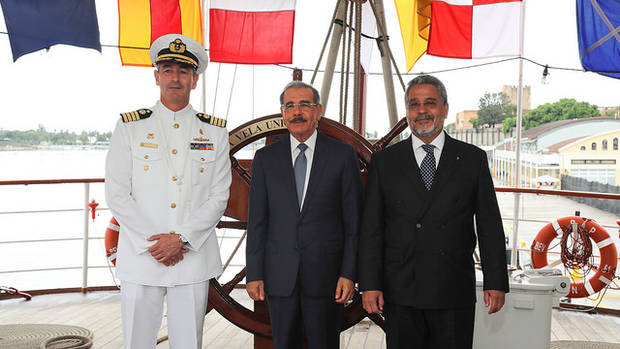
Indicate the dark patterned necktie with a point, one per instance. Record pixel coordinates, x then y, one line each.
300 171
427 167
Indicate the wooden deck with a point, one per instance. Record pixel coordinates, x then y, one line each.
100 312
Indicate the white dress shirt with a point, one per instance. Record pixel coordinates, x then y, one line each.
420 153
311 143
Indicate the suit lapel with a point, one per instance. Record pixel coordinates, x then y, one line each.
318 165
410 168
286 168
447 165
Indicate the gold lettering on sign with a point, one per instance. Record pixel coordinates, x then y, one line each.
256 129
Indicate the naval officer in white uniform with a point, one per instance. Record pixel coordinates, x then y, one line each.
167 183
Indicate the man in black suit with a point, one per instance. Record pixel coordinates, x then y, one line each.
305 203
418 232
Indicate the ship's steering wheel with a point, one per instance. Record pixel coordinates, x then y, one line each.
267 128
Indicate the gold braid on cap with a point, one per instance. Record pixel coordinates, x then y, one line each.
177 52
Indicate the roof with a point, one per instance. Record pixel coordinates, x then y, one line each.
556 147
538 130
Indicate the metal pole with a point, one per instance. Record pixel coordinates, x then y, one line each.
515 222
85 248
332 55
387 65
233 253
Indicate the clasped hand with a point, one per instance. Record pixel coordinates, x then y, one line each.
168 250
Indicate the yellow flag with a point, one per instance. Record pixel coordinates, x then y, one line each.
415 23
143 21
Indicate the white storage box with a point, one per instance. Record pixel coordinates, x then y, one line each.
523 322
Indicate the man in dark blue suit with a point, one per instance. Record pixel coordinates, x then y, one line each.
305 200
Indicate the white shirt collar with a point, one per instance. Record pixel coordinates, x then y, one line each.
172 115
310 142
438 142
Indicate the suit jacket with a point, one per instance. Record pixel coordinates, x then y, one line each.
416 245
314 246
140 191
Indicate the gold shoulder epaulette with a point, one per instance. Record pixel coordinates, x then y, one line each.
136 115
212 120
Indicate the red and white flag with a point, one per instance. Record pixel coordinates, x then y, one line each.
476 28
251 32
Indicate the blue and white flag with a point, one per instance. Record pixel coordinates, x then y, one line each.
37 24
598 28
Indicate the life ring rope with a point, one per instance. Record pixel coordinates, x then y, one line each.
605 272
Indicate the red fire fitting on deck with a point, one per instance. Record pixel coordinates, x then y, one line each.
93 207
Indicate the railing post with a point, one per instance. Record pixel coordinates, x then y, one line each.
85 249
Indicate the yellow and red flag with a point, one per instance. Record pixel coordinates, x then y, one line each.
142 21
414 17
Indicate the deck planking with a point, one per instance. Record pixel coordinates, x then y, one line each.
100 313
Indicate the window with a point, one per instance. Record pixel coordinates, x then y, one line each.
593 162
615 143
604 144
593 145
605 176
583 147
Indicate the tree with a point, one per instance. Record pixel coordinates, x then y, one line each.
493 109
564 109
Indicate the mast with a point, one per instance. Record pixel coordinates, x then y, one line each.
386 63
517 196
334 45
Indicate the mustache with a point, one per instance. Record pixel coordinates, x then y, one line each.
424 117
298 119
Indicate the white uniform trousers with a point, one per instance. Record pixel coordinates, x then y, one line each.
142 308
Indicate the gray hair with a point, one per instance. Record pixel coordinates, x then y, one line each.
428 80
300 84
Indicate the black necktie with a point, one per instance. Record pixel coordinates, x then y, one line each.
427 167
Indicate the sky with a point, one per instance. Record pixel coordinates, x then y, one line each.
75 89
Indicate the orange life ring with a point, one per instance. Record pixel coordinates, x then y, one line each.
609 255
111 240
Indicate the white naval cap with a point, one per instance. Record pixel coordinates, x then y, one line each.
179 48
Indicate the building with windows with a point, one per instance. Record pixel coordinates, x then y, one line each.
595 158
561 147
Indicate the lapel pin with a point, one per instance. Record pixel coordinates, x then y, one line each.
458 158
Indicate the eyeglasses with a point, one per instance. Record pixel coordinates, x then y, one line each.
303 106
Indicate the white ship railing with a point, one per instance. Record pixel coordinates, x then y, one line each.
86 236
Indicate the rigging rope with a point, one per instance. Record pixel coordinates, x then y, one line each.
407 74
217 85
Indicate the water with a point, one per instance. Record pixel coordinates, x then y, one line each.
17 226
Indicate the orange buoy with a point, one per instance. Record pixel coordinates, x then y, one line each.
111 240
605 272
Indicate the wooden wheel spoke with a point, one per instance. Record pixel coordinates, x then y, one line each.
241 225
242 172
395 131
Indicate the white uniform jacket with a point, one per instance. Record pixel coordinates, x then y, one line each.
166 173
